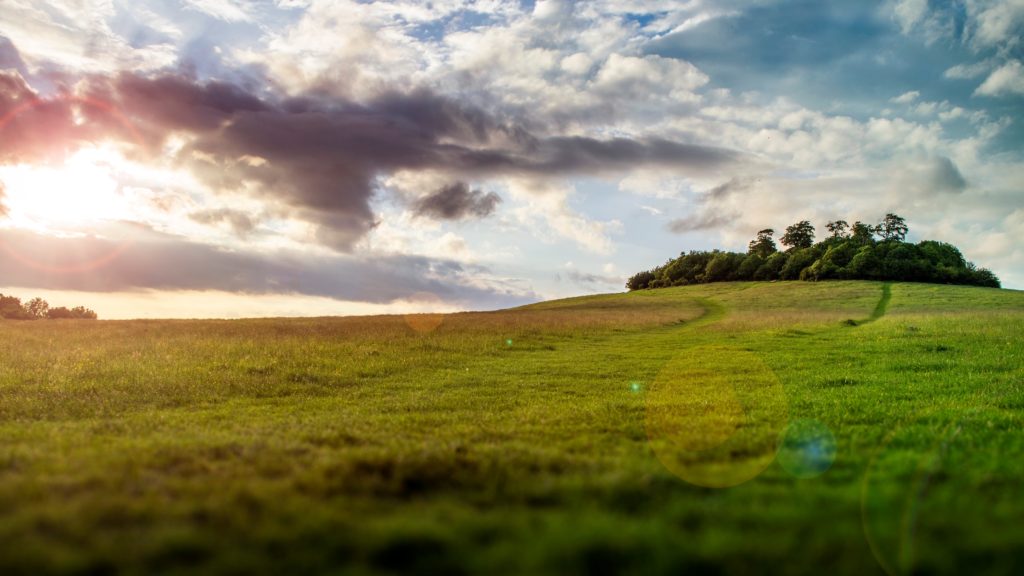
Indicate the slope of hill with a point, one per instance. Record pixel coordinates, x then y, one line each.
843 427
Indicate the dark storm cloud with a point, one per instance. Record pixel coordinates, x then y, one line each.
158 261
177 102
455 202
322 156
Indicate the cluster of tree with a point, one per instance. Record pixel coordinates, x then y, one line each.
857 252
12 308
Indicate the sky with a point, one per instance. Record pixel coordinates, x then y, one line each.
232 158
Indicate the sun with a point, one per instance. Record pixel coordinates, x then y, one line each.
82 190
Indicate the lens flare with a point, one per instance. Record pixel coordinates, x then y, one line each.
79 174
714 414
808 449
425 323
908 493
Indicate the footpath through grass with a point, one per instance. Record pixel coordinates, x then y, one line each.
577 436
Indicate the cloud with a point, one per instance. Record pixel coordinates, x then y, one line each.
945 176
997 23
77 36
321 157
455 202
33 129
633 77
10 59
240 222
707 220
927 178
969 71
590 280
727 189
1007 80
225 10
906 97
549 202
152 260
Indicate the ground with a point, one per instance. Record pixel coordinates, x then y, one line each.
789 427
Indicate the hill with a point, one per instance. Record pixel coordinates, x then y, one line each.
842 427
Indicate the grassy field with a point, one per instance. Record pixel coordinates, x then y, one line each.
796 428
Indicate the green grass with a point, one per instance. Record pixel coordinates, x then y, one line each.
563 437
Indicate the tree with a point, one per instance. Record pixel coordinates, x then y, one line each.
984 277
799 235
799 259
749 267
58 313
763 245
838 229
771 268
37 308
864 264
850 252
11 308
862 233
83 313
640 280
892 228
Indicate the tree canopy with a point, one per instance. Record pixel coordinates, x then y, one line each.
858 252
12 308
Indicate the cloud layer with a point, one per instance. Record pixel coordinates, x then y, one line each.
480 146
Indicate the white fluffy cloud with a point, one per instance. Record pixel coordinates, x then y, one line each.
1007 80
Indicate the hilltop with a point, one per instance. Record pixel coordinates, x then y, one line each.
857 252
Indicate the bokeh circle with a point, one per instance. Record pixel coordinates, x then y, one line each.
807 448
935 485
714 416
425 323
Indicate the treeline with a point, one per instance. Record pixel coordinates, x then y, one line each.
11 308
857 252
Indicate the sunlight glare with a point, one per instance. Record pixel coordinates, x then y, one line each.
83 190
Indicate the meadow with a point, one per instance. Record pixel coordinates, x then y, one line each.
846 427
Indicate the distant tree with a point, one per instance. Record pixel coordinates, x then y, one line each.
36 308
763 245
771 268
798 259
640 280
865 264
11 308
799 235
748 268
984 277
723 267
942 253
58 313
862 233
838 229
83 313
833 262
849 253
718 268
892 228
